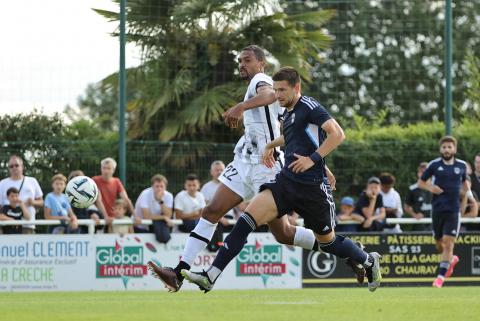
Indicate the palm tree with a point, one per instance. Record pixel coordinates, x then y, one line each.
188 73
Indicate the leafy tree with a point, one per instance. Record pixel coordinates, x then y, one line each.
188 75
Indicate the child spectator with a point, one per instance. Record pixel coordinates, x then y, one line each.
15 210
370 206
57 207
347 205
120 208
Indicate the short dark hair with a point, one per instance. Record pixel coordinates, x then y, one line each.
192 177
448 139
257 51
289 74
387 179
12 190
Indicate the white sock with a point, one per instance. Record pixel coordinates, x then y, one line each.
304 238
204 229
213 273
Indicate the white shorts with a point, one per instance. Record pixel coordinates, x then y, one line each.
245 179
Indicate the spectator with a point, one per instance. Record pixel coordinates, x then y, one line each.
475 179
57 207
418 203
347 205
391 201
110 189
370 206
208 190
189 203
15 210
91 212
120 209
155 203
29 190
469 202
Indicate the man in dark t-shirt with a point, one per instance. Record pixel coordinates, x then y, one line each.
448 176
15 210
370 206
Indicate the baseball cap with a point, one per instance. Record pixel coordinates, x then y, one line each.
373 179
347 200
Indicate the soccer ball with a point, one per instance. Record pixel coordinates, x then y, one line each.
81 191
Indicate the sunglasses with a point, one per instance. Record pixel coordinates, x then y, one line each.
13 165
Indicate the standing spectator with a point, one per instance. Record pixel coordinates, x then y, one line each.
418 203
475 178
391 201
370 206
347 205
189 203
120 209
111 188
15 210
91 212
57 207
29 190
449 176
208 190
155 203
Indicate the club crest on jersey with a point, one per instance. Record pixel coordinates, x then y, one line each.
456 170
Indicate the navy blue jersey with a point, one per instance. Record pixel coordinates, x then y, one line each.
449 178
303 135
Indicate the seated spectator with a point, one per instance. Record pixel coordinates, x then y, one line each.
15 210
475 178
418 203
155 203
468 203
57 207
370 206
120 209
91 212
189 203
347 205
391 201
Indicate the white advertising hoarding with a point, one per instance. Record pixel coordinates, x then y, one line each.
112 262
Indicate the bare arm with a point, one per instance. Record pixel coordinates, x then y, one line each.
102 209
428 186
187 216
47 212
4 217
123 195
25 212
335 136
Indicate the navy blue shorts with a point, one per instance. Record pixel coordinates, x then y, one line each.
446 223
312 202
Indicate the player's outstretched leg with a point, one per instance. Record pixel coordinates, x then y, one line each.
223 201
261 210
345 248
285 233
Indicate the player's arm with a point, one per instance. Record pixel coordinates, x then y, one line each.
268 158
425 183
331 178
335 136
265 96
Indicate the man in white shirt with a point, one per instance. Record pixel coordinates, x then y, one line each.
391 201
30 192
188 204
155 203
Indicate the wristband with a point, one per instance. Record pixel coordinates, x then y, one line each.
315 157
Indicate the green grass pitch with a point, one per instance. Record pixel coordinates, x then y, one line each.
386 304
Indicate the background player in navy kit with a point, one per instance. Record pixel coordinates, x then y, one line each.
448 177
310 134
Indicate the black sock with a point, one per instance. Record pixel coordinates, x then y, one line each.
345 248
443 268
234 242
181 266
